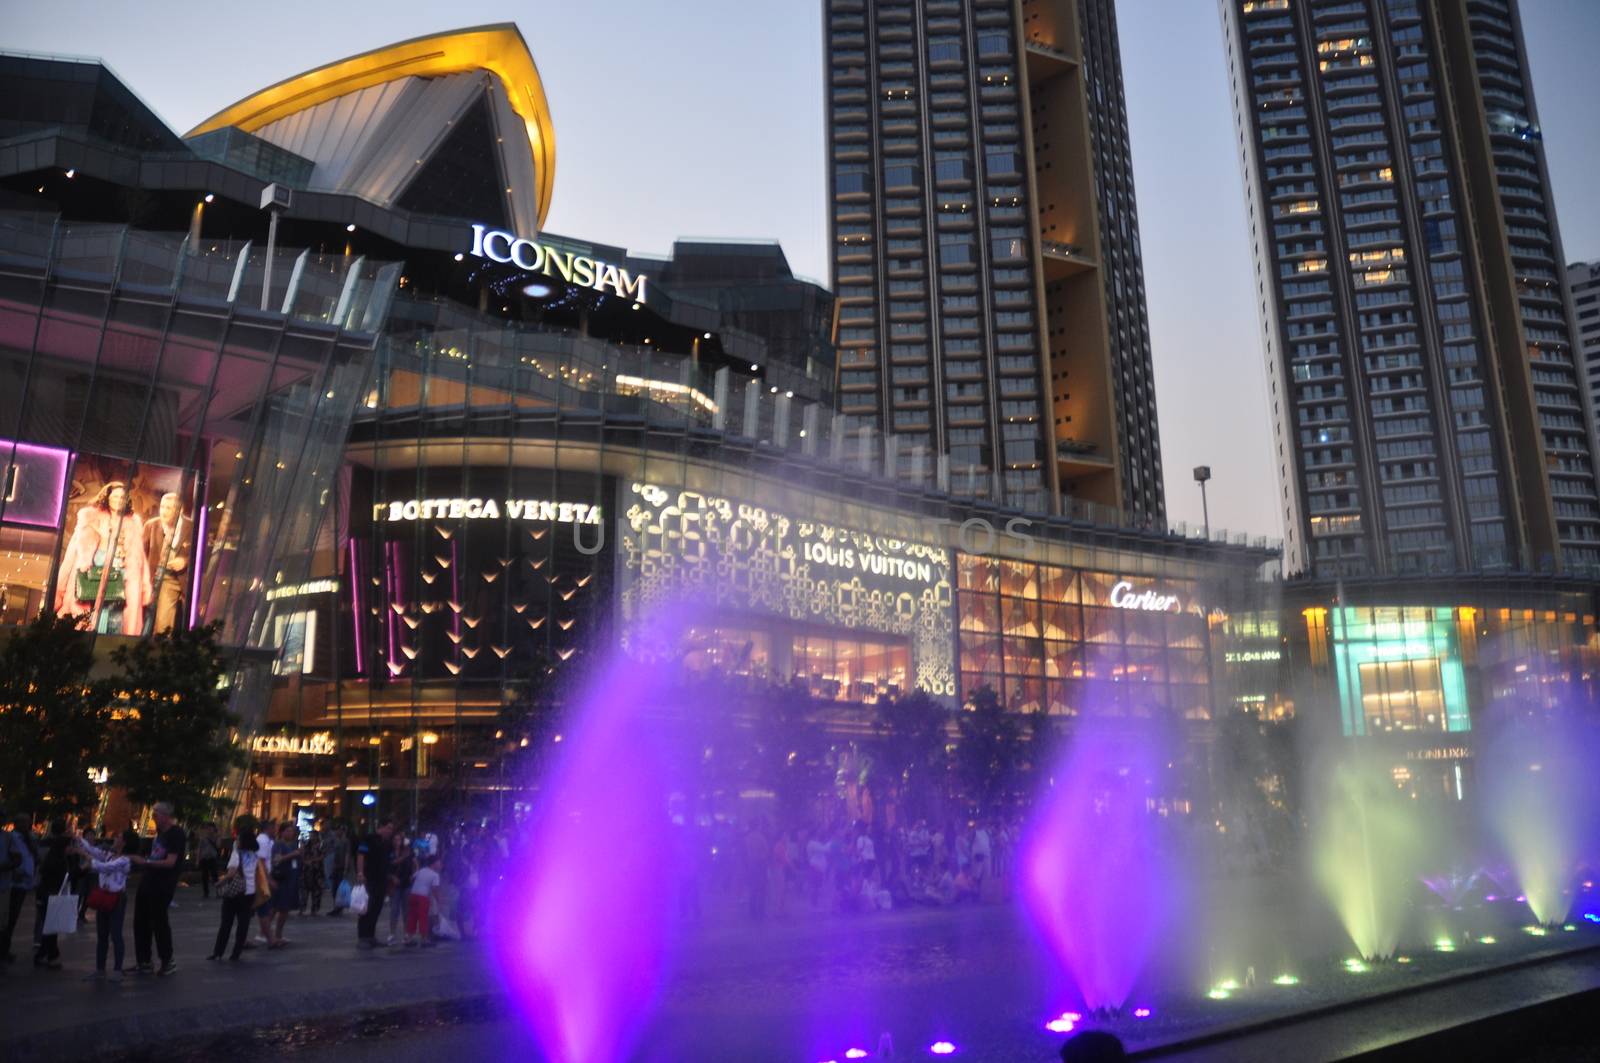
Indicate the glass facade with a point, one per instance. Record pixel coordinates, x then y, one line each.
166 448
978 293
1427 405
1071 641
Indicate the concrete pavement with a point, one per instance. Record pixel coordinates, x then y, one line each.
55 1015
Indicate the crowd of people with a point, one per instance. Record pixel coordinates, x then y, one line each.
846 866
414 888
263 873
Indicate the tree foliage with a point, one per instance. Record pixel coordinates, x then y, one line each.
989 757
52 718
912 750
788 748
172 737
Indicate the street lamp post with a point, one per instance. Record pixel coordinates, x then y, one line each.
1202 473
275 199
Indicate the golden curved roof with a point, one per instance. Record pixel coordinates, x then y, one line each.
497 48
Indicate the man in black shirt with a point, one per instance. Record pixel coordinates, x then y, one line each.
156 888
372 871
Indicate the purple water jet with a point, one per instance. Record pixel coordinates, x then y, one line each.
581 937
1096 878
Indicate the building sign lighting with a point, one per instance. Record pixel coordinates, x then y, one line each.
498 245
1440 753
1251 656
1123 596
487 509
302 590
745 558
320 744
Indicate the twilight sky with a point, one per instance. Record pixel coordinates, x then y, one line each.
705 119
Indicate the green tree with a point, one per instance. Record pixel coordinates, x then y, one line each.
790 748
52 717
172 739
912 734
990 752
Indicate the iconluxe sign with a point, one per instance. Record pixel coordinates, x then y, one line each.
487 509
1123 596
320 744
497 245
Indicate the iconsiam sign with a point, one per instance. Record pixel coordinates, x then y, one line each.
497 245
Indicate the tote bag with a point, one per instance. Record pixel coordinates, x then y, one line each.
61 914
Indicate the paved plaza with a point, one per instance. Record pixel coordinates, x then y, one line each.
801 989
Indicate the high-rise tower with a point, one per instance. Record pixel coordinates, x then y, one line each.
1428 411
986 249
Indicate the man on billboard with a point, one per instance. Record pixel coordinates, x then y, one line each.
166 551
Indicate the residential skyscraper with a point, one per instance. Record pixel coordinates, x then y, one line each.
1428 409
1583 289
986 250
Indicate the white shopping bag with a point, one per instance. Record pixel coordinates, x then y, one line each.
61 914
358 900
446 929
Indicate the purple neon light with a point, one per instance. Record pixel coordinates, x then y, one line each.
200 562
355 605
41 484
391 579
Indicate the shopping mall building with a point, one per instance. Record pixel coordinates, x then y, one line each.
413 452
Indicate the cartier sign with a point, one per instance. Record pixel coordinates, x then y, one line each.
1123 596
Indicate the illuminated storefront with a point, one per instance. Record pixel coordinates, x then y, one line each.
457 457
856 615
1076 640
1395 665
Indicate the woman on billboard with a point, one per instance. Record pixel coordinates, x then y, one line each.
104 565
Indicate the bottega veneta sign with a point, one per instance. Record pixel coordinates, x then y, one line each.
487 509
498 245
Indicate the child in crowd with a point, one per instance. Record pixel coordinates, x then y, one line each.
424 885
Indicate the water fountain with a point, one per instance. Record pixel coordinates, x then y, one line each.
1364 846
1096 877
584 939
1539 804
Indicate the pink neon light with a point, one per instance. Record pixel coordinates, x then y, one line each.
200 562
355 605
40 484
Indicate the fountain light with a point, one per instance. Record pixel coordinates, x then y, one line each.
1229 984
1522 898
1487 939
942 1048
1536 931
1588 884
1286 979
855 1053
1355 966
1444 945
1569 927
1491 897
1402 959
1219 993
1059 1025
1141 1013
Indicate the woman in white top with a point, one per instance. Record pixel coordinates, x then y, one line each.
113 869
236 908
